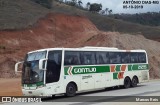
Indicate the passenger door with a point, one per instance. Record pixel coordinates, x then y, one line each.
53 83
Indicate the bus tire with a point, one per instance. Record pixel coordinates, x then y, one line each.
134 81
127 82
71 90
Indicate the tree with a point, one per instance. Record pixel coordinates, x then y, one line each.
88 5
45 3
95 7
73 2
106 10
79 2
110 12
102 12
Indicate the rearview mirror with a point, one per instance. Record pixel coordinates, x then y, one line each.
42 64
16 67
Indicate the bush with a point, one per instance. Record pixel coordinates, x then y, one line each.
2 47
45 3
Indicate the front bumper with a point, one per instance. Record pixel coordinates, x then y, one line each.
35 92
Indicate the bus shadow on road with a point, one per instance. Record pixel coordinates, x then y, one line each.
63 98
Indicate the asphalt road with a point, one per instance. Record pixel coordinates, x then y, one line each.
144 94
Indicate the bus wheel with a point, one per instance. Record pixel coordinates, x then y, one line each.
134 81
127 82
70 90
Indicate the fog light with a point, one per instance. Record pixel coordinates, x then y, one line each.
30 92
40 86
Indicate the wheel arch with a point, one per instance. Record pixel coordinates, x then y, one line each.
127 77
135 76
72 82
127 82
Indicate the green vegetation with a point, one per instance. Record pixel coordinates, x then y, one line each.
2 47
109 23
45 3
149 18
95 7
19 14
25 13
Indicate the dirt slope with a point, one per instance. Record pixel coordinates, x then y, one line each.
52 31
59 30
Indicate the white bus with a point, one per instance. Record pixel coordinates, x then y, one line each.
54 71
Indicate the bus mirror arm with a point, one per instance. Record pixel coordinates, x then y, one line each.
16 67
42 64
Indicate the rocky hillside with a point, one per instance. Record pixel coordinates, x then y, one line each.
20 14
60 30
55 30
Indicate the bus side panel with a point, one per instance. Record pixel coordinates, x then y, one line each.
100 80
72 78
144 76
140 74
87 81
110 80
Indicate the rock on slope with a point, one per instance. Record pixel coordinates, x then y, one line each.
59 30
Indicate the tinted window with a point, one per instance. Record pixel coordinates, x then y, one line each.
142 57
115 57
53 66
102 58
55 56
36 56
72 58
134 57
88 58
125 57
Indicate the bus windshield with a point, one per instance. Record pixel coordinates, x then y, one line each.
31 73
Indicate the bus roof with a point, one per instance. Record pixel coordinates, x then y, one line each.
90 48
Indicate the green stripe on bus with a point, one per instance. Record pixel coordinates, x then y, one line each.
86 70
72 70
115 75
34 85
138 67
66 70
118 67
130 67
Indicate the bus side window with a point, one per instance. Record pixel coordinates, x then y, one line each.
134 57
67 60
125 57
102 58
142 57
72 58
115 57
88 58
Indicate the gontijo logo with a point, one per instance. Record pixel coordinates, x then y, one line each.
84 70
